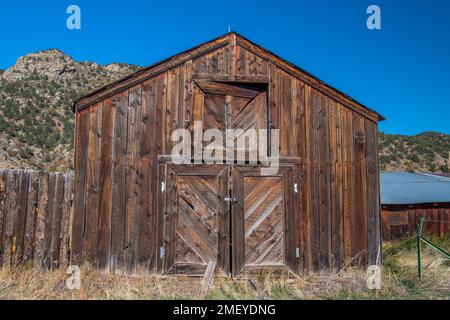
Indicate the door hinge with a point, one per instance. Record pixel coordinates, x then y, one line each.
162 252
296 187
163 186
297 252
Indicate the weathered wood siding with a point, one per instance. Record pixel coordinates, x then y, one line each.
35 210
124 129
400 221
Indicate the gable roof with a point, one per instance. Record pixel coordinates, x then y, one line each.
401 188
231 38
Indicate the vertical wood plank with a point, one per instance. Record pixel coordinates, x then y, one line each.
290 222
65 221
40 219
29 239
301 100
274 106
224 222
307 182
287 144
336 185
10 216
160 119
106 181
324 159
361 187
158 145
19 224
377 196
119 193
48 225
159 208
147 228
56 221
81 155
373 194
232 57
386 226
187 96
314 193
90 241
174 104
170 220
133 187
348 184
237 223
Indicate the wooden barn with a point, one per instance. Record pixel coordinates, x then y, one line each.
133 206
407 197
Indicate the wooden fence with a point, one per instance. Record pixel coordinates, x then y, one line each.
35 210
400 221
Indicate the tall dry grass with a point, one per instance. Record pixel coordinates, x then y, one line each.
399 278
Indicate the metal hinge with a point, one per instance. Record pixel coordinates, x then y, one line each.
163 186
297 252
162 252
295 187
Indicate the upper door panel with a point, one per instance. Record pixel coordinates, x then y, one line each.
224 106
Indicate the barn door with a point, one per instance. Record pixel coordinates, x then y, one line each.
225 106
263 233
196 221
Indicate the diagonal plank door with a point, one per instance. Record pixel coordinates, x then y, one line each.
262 220
223 106
196 229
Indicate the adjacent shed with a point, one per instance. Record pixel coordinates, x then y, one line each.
134 207
406 197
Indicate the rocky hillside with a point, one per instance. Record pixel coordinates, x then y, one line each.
36 96
36 120
426 152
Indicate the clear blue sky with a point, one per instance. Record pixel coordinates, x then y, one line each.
402 71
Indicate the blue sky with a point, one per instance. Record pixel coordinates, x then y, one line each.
402 71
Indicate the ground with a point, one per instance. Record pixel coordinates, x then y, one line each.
399 278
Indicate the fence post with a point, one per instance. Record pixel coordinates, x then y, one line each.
419 238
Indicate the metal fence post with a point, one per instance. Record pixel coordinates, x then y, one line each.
419 238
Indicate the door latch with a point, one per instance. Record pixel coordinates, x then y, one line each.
295 187
231 200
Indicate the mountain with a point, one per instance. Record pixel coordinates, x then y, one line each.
36 97
36 119
426 152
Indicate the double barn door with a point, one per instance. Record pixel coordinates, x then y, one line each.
229 215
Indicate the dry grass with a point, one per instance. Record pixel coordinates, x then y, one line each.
399 282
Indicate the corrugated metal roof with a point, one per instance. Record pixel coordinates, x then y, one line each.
411 188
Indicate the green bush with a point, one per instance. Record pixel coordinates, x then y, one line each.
25 153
